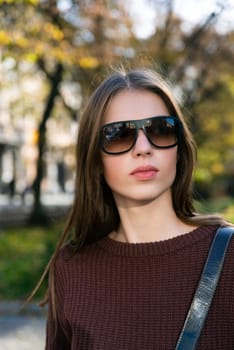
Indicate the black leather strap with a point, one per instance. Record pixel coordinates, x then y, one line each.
205 291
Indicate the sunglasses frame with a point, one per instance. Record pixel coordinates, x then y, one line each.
141 124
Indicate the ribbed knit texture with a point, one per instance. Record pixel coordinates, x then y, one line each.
125 296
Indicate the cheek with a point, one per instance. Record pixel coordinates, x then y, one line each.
168 163
115 171
173 158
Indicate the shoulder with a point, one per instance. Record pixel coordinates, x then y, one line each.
69 257
64 267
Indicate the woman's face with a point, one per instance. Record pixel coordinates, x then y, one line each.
145 173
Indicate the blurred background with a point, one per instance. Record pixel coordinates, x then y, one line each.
52 56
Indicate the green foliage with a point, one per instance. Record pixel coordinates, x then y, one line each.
224 206
83 36
215 135
24 254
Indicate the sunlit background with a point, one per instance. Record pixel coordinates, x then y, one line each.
192 44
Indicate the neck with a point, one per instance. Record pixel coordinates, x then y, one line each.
148 222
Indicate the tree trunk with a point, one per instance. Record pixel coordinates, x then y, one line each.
39 215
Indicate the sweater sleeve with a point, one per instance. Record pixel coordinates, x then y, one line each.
56 338
56 333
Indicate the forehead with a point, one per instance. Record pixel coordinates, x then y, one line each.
134 104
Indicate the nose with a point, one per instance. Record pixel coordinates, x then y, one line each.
142 146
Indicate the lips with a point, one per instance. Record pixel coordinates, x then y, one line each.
144 172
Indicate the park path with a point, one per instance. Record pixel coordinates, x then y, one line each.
21 330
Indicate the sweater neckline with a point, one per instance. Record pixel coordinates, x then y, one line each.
117 248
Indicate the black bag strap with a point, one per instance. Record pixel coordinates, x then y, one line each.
205 291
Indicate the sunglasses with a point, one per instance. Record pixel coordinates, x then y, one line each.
120 137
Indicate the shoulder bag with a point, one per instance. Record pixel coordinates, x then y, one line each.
205 291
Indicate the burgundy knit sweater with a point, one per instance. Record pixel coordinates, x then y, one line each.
125 296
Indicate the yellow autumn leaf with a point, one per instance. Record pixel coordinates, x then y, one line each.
217 168
4 38
8 1
39 48
89 62
53 31
31 57
33 2
21 41
35 137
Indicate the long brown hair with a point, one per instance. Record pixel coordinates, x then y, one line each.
94 213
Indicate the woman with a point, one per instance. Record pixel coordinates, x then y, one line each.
127 279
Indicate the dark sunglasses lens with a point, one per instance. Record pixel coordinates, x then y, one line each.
163 132
118 137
